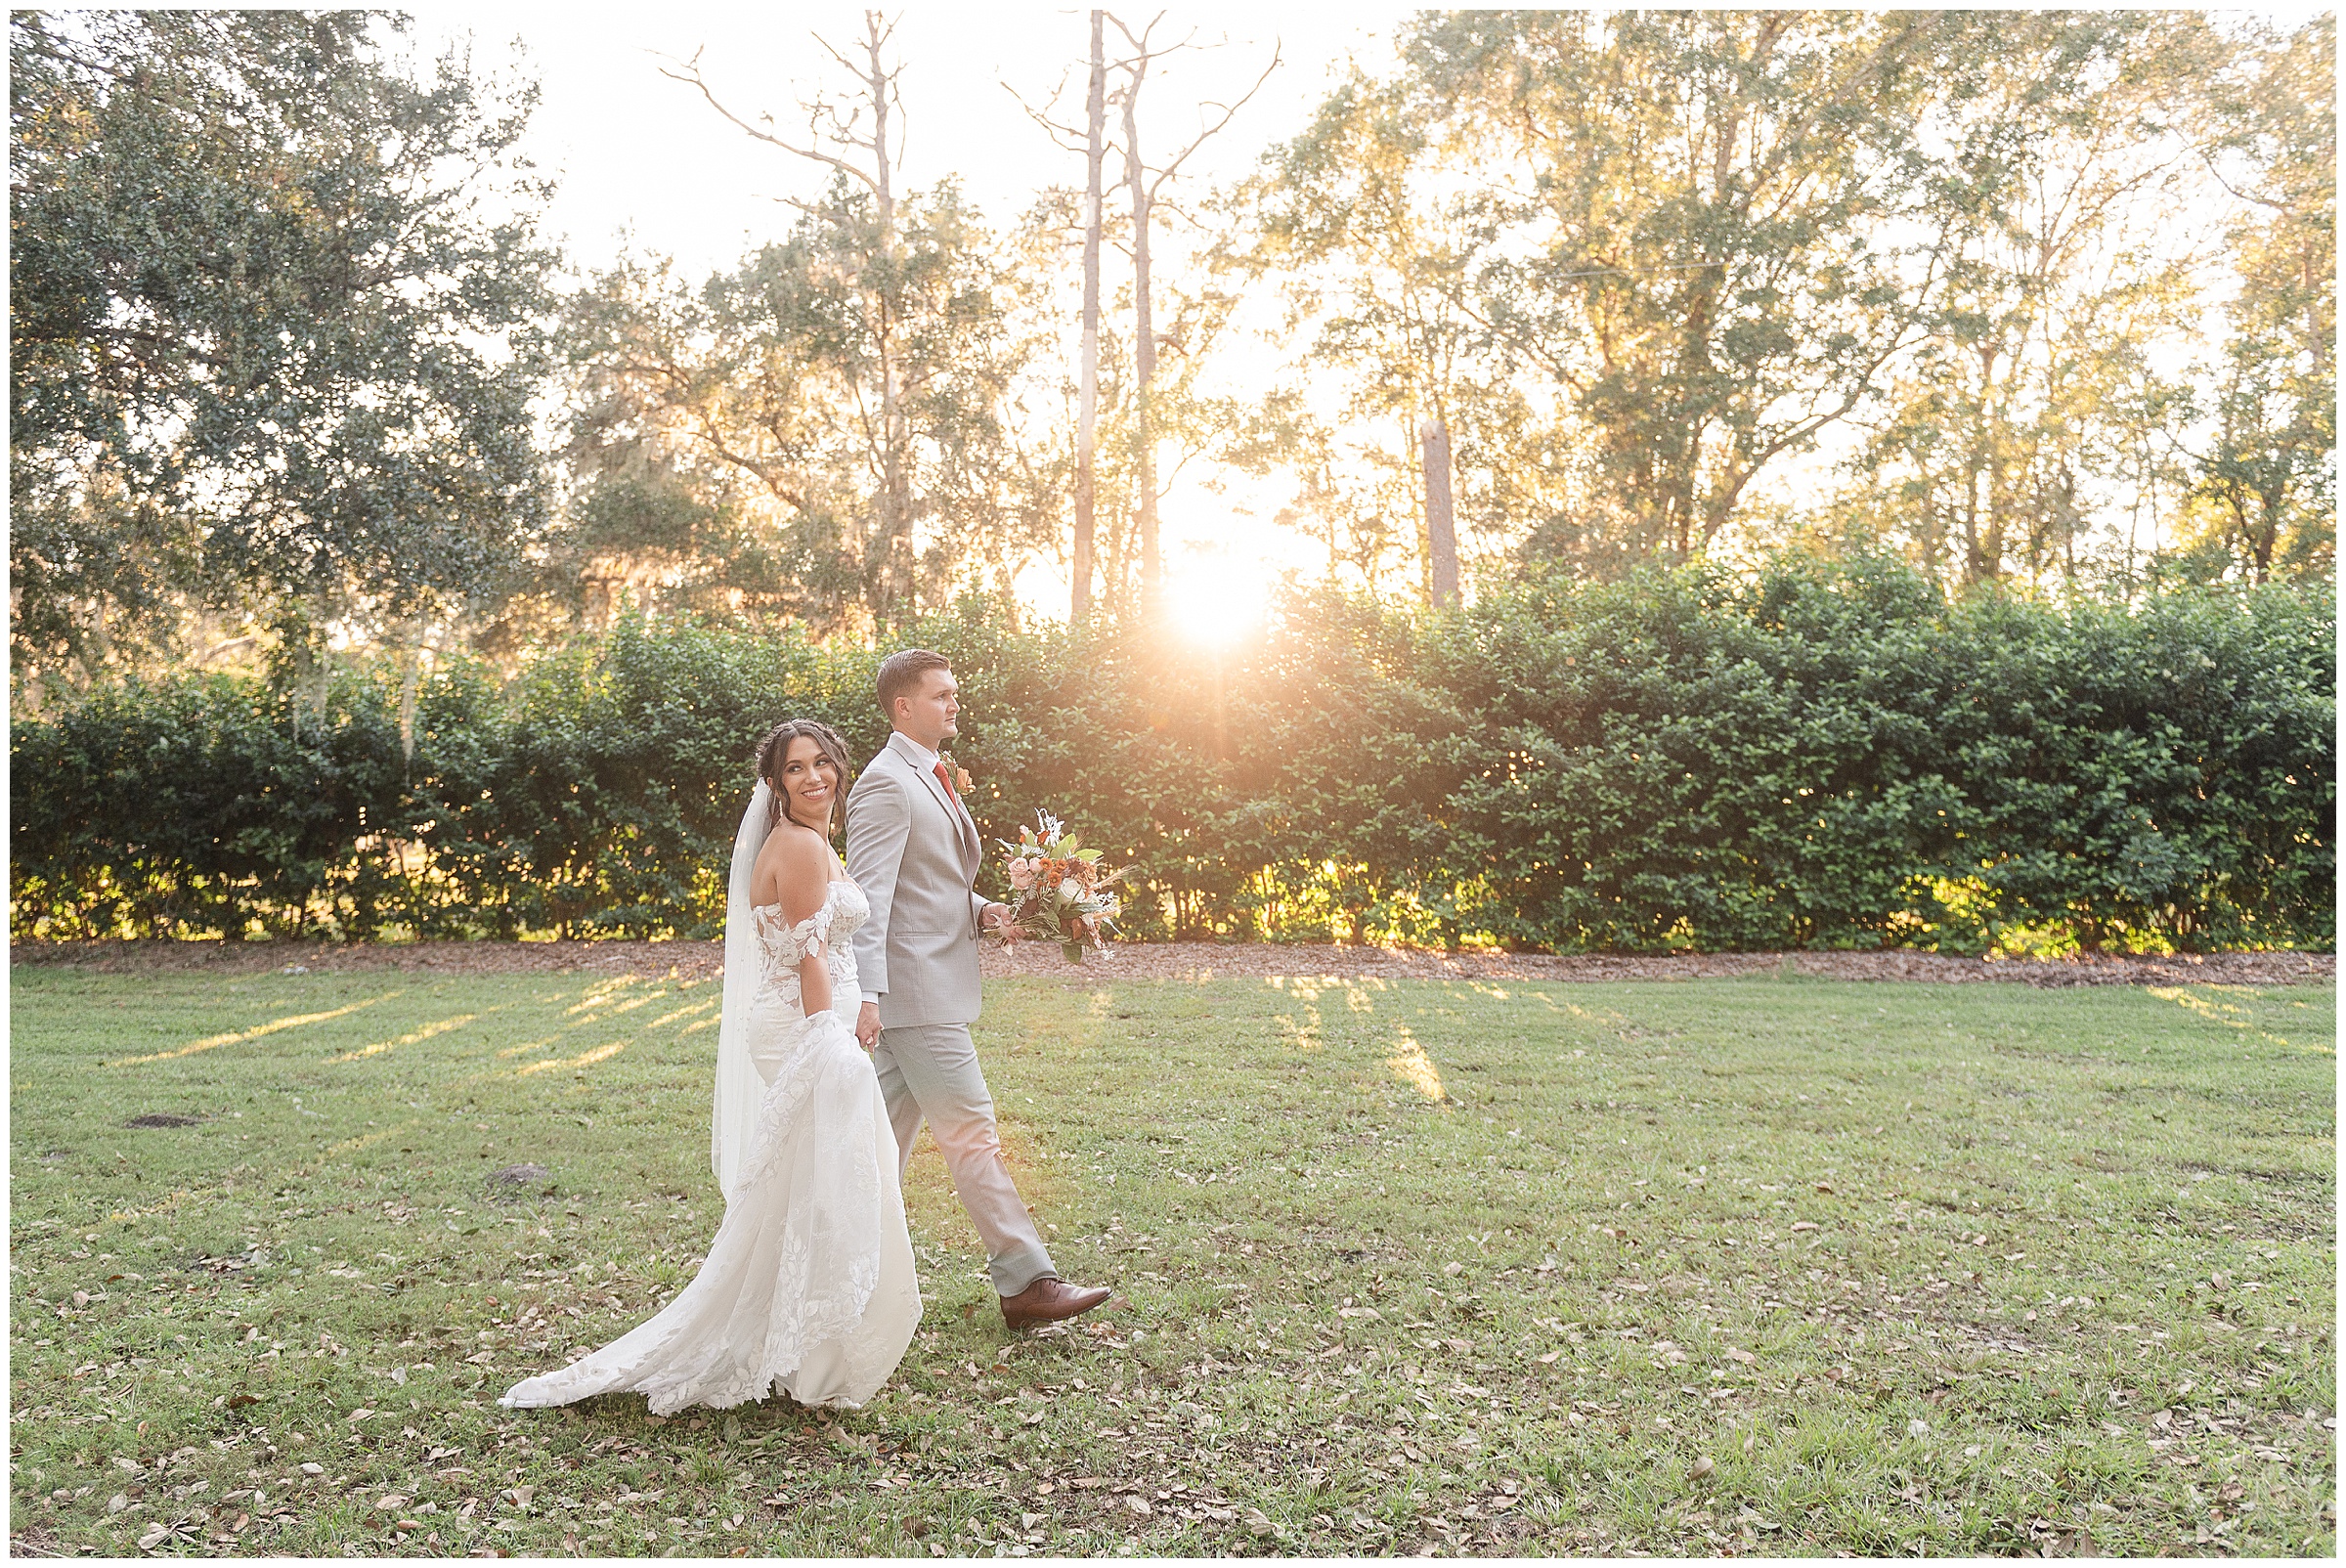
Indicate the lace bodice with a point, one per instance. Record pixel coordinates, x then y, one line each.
782 948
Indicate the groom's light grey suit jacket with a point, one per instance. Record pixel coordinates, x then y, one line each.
915 853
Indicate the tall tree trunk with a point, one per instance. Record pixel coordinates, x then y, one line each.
1144 352
896 501
890 562
1087 417
1440 525
411 689
2316 340
312 666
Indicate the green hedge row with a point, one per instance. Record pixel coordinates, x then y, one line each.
1826 757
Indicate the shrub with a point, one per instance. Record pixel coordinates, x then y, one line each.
1819 757
189 806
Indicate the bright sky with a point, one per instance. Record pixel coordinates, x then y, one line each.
636 152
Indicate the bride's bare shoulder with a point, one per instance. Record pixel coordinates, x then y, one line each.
795 869
791 849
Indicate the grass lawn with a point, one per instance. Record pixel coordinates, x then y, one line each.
1746 1266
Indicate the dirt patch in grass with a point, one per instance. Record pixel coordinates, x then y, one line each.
35 1542
1206 960
686 960
699 960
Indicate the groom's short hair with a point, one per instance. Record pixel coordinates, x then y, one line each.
900 675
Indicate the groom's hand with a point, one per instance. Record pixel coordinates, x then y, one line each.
867 1025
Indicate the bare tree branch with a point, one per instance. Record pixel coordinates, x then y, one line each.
691 76
1068 136
1227 112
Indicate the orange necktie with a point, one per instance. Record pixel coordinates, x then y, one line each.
946 779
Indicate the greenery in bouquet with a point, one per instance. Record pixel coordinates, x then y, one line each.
1058 889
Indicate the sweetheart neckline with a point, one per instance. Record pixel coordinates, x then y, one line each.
756 909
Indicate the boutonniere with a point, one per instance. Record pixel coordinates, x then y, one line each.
961 777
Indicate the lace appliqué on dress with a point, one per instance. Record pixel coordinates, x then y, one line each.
782 947
809 1285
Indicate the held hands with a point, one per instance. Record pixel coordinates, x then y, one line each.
995 918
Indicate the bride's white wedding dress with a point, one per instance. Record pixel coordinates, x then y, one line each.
808 1288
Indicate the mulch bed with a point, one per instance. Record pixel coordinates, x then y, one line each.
698 960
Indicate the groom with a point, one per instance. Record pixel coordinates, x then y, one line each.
913 848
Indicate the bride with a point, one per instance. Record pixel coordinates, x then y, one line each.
808 1286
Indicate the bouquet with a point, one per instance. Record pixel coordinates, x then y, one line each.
1058 889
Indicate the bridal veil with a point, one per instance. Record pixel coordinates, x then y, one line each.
739 1087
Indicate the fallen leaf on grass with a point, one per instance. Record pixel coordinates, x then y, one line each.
1139 1505
1701 1469
1370 1313
1742 1357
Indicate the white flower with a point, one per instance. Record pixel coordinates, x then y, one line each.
1070 890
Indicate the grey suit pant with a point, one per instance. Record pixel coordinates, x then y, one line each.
931 1071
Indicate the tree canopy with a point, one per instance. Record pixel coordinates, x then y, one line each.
273 328
1962 263
2040 302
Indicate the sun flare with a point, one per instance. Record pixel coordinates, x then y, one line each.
1216 600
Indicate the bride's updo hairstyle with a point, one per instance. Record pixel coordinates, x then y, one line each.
774 750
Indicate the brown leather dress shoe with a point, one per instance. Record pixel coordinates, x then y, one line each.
1049 1300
